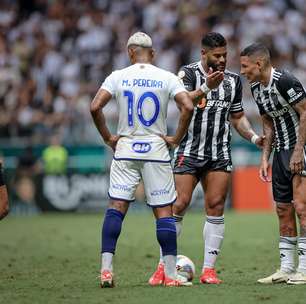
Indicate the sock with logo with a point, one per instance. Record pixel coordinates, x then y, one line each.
213 234
287 247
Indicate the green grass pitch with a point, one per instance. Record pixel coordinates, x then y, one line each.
55 259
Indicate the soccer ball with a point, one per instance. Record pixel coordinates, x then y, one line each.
185 267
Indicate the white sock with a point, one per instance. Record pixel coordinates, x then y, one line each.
107 261
213 233
287 247
170 266
302 255
178 225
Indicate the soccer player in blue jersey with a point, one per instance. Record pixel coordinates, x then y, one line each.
281 100
142 92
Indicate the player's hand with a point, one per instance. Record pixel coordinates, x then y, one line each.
259 142
214 79
170 140
296 164
264 171
112 141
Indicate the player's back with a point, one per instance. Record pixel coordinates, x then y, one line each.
142 93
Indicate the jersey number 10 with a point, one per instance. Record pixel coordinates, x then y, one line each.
140 103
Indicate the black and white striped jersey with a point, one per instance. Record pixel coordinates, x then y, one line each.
209 133
277 100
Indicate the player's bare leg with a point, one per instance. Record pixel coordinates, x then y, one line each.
185 184
299 200
110 234
215 185
287 244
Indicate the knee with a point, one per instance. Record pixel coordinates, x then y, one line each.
215 205
119 206
284 211
181 204
300 209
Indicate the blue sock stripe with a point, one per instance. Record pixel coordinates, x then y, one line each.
166 235
111 212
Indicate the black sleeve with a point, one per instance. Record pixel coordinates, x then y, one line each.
237 101
290 88
187 75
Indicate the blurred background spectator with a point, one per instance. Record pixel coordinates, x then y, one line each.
54 55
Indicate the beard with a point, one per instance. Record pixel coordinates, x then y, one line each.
216 67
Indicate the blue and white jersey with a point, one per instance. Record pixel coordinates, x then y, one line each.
142 92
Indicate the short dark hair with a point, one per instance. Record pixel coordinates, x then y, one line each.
256 49
213 40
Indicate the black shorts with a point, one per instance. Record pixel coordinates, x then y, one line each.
282 176
188 165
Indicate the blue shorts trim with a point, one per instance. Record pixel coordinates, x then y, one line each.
148 160
162 205
120 199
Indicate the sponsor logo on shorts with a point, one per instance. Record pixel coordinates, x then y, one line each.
121 187
159 192
141 147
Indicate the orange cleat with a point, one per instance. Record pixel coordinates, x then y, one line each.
158 277
209 276
107 280
178 282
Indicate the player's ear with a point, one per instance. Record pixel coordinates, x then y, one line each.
153 53
131 53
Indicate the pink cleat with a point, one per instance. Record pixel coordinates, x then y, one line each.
158 277
107 280
209 276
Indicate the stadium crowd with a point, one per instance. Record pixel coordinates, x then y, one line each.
55 54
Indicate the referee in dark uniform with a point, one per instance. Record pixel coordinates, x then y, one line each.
281 101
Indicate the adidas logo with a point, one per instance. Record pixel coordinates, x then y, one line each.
301 252
282 255
214 252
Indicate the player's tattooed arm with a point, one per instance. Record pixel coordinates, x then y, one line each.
297 159
96 109
268 132
242 125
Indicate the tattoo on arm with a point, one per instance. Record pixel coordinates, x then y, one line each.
268 131
301 109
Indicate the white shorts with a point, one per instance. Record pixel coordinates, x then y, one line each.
157 177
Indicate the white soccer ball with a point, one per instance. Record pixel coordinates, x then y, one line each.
185 267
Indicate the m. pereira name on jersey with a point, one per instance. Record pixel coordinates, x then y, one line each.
148 83
217 103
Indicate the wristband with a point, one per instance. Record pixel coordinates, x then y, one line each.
204 88
254 138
